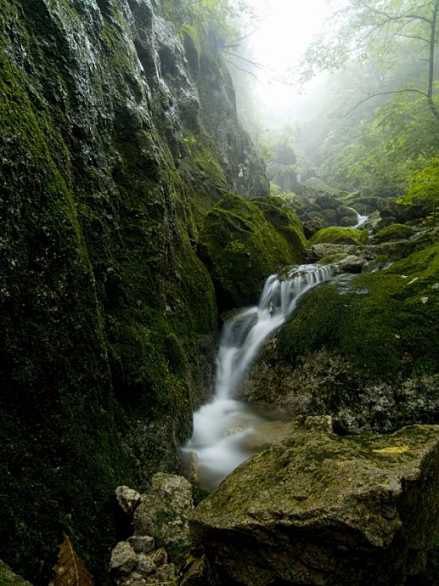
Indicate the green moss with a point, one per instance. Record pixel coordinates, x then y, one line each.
423 188
103 301
107 313
279 213
340 488
243 242
8 578
336 235
388 324
394 232
204 159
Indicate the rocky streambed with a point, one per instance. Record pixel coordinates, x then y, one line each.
343 488
313 508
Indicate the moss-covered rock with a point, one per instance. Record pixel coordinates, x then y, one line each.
8 578
387 322
336 235
321 509
393 232
423 189
244 241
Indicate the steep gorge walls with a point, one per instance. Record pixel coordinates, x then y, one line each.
118 131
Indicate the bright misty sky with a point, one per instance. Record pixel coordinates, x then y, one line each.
285 28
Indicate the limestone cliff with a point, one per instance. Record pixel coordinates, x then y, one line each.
118 130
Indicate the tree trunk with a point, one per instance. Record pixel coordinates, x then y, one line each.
431 62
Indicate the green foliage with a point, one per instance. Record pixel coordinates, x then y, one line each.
423 187
201 18
396 142
386 123
376 29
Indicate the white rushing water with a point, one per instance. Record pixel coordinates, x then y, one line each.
222 428
361 220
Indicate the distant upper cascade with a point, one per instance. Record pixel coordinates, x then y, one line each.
361 220
221 426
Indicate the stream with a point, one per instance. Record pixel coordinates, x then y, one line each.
223 428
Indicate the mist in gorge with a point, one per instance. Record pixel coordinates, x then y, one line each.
349 85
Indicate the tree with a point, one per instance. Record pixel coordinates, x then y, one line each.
381 28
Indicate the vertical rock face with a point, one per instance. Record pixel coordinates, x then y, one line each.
111 149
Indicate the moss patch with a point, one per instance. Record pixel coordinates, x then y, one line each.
335 235
243 242
393 232
388 324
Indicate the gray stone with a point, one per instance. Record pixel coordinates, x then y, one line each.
149 563
128 499
320 510
123 558
352 264
163 513
142 543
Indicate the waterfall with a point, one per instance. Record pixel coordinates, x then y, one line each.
220 427
361 220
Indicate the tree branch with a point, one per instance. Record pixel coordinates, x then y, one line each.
243 70
392 17
257 65
239 40
389 93
415 37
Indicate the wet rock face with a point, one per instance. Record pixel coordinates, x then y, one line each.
325 382
325 510
108 153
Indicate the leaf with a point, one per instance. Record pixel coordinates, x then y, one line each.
70 570
392 450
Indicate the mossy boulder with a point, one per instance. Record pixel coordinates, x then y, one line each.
346 216
393 232
386 322
244 241
423 189
8 578
336 235
323 509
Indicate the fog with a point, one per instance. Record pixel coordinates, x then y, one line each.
316 75
279 34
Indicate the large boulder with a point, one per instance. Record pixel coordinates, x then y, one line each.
337 235
244 241
394 232
319 509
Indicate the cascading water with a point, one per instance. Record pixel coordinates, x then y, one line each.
361 220
221 428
